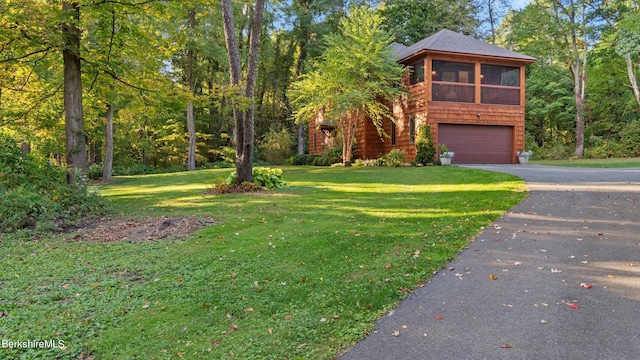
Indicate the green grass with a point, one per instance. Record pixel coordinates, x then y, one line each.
592 163
299 273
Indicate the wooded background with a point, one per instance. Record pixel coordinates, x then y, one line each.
150 68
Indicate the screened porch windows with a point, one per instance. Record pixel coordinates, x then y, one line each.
500 85
452 81
456 82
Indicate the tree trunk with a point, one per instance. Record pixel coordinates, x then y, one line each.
76 139
107 166
301 139
632 78
191 123
244 120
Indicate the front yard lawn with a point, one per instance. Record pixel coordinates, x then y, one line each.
299 273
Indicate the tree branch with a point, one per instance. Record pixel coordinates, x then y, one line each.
35 105
25 56
124 2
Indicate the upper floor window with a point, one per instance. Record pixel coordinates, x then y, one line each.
453 81
448 71
417 72
500 84
500 75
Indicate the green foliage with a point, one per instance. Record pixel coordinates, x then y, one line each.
630 139
317 249
394 158
425 149
411 21
134 169
530 143
94 172
35 193
328 157
271 179
302 159
603 148
556 150
276 146
367 162
353 78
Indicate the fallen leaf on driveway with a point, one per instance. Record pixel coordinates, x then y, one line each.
396 333
506 346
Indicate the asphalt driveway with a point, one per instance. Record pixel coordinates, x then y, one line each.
557 277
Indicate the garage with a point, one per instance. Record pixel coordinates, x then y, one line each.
478 144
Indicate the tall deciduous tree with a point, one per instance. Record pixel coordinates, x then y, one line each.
412 21
494 11
628 39
571 17
107 164
76 138
355 78
243 116
191 123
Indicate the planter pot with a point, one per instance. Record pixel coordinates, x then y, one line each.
523 159
445 161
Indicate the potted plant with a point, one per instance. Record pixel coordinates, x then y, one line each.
523 156
445 155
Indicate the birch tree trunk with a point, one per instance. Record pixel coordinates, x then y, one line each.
632 78
191 123
76 140
243 119
107 167
301 129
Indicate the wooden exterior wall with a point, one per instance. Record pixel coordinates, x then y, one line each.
370 145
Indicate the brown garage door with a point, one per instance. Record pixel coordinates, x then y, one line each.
478 144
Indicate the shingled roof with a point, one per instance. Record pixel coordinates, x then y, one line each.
453 42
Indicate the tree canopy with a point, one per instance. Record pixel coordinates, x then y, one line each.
146 61
354 79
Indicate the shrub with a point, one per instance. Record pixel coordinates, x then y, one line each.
329 157
303 159
134 169
276 146
367 162
557 150
262 176
602 149
425 150
394 158
94 172
222 187
34 194
630 139
530 143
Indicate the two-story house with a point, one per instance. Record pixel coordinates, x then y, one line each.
471 94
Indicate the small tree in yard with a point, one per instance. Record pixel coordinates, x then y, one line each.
354 78
425 150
